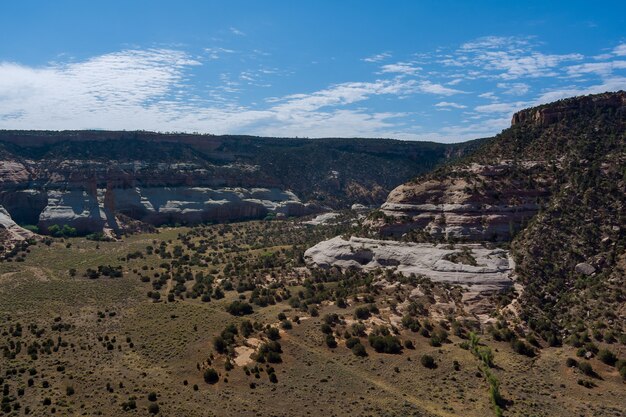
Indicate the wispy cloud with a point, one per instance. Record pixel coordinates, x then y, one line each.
507 58
514 89
450 104
377 57
620 50
217 53
438 89
600 68
236 31
405 68
159 89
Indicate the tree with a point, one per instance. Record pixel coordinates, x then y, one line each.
153 408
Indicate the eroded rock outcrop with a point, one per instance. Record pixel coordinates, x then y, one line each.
487 271
475 202
479 270
96 209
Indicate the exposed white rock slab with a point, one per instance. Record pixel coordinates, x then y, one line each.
492 272
94 210
77 208
15 232
324 218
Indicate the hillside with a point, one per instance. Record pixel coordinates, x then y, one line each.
554 186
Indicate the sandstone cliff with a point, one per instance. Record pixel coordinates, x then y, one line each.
93 180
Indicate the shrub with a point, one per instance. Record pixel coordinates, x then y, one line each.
131 404
330 341
428 361
359 350
211 376
571 363
153 408
607 357
362 313
522 348
385 344
326 329
239 308
586 368
352 341
220 344
272 333
152 396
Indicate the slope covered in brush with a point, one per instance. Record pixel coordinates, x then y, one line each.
554 185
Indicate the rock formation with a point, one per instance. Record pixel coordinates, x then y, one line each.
490 269
92 180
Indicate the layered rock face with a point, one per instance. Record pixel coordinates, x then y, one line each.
95 210
476 202
559 111
89 194
91 180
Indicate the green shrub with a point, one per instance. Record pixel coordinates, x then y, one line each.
211 376
153 408
359 350
586 368
428 361
239 308
385 344
607 357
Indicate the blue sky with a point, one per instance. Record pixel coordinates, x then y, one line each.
419 70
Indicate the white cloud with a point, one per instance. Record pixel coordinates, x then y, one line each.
378 57
152 90
146 90
449 104
514 89
494 42
438 89
400 68
507 108
217 53
236 31
610 84
119 84
532 65
488 95
600 68
461 133
620 50
507 58
343 94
